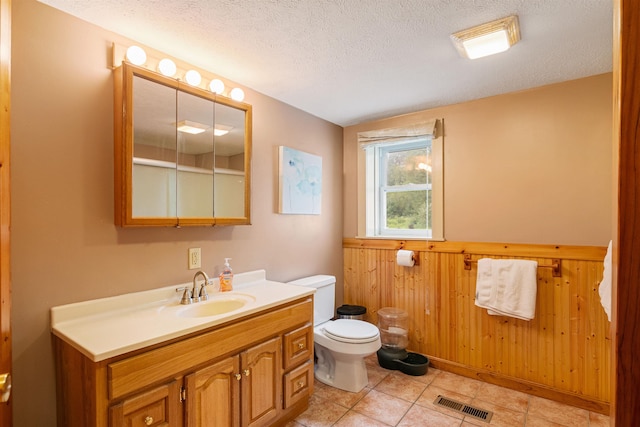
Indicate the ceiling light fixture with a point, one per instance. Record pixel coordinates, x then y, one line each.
219 130
487 39
193 128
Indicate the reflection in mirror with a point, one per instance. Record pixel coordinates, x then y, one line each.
229 162
195 128
154 149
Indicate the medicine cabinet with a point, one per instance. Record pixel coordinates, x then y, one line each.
182 153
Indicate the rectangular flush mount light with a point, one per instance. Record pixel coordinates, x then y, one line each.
487 39
194 128
220 130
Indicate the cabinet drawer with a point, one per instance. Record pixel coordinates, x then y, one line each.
298 384
156 407
297 346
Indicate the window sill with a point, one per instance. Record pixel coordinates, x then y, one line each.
399 238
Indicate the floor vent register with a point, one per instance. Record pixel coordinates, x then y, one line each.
469 410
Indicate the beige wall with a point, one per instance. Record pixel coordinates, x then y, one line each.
526 167
65 247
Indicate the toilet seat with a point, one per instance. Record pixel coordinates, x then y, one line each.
351 331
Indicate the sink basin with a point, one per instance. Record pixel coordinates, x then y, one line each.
216 306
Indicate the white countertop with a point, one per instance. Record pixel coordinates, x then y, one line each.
108 327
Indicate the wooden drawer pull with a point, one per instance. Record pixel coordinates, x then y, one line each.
148 420
300 345
300 384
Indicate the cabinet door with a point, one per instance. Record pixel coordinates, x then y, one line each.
213 395
262 383
158 407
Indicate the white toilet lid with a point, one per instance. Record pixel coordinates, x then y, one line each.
351 331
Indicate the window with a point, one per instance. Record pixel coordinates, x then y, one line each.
403 184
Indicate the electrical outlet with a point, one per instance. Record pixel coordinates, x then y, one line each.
194 258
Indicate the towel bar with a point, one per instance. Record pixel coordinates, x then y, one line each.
556 265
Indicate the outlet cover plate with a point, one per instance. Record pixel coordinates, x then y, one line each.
194 258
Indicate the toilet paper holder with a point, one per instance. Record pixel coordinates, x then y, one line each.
414 257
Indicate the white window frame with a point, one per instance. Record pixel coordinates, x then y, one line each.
372 211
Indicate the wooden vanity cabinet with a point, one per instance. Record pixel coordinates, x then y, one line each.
252 372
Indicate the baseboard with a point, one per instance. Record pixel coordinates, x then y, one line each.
521 385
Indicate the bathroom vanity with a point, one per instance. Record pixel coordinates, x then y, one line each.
120 362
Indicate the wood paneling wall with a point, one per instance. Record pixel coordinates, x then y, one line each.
562 354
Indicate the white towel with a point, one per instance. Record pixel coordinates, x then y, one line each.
605 286
507 287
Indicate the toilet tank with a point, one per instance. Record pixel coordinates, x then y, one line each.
325 297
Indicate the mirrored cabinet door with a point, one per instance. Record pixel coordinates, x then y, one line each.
195 128
230 162
182 154
154 176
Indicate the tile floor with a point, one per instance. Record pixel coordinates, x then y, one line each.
395 399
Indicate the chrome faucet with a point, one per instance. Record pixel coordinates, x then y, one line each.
194 295
202 294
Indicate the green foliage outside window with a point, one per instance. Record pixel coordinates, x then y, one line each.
407 208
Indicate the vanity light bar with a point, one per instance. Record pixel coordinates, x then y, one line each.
167 67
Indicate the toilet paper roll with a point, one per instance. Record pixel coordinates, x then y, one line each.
405 258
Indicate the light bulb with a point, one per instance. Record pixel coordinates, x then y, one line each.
216 86
136 55
237 94
167 67
193 77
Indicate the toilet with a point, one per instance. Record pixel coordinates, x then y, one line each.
340 345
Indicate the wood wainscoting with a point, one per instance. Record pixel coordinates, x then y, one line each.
563 354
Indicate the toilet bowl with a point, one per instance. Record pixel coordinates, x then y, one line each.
340 345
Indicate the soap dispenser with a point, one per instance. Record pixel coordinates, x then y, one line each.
226 277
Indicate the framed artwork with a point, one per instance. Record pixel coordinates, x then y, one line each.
300 182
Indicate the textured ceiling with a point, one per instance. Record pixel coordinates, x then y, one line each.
350 61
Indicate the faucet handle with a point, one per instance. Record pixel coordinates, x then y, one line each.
203 290
186 295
